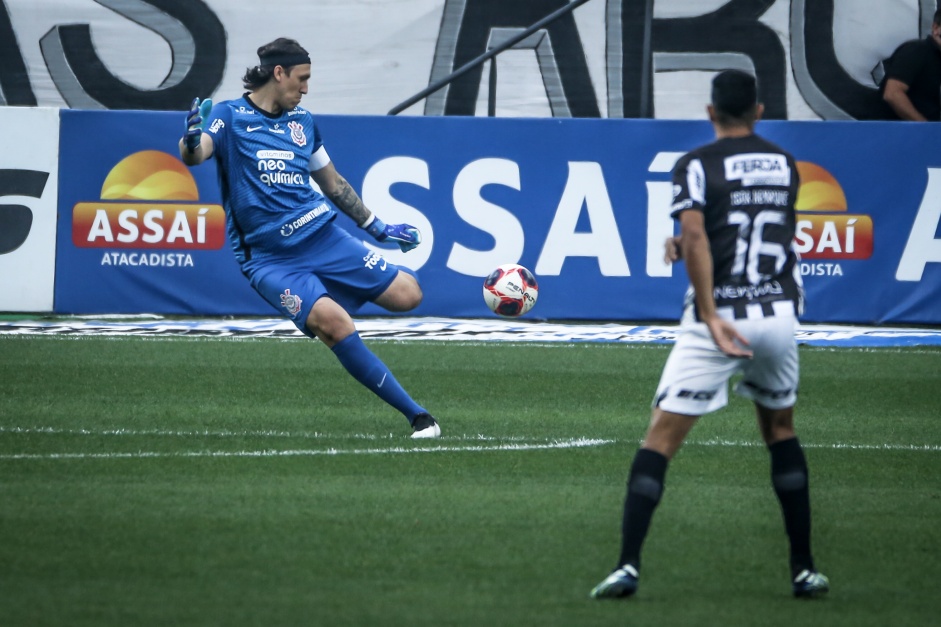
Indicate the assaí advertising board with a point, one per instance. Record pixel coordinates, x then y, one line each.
138 230
583 203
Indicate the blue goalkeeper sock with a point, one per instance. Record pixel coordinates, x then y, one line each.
369 370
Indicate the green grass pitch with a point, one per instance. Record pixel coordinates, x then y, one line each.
252 482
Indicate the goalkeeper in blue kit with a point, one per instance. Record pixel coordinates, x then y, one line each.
282 230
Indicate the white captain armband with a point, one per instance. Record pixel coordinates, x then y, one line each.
318 160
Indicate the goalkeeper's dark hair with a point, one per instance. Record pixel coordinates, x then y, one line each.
282 51
735 98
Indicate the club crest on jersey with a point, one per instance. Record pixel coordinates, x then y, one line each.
291 302
297 133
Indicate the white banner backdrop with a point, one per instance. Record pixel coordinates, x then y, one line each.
28 200
815 57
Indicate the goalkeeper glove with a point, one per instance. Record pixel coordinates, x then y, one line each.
194 123
405 235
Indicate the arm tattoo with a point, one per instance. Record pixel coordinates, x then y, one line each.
346 199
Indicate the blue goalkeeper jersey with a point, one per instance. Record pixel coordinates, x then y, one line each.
264 170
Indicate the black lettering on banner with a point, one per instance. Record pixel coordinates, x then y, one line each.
828 88
465 32
17 220
629 61
197 40
15 89
731 37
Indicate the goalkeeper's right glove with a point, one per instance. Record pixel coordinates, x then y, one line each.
194 123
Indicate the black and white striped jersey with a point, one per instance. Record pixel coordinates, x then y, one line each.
746 188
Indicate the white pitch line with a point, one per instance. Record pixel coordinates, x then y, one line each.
223 433
561 444
838 446
510 443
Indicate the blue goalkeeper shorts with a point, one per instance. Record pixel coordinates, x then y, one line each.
332 263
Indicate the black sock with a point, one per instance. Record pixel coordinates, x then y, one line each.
644 489
790 479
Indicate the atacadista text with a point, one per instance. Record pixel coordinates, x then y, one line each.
160 260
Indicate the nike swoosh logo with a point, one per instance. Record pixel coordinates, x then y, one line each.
252 128
383 379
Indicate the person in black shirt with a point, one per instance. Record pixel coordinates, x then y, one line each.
734 200
912 82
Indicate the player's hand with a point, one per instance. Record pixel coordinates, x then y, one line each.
727 338
405 235
194 123
672 252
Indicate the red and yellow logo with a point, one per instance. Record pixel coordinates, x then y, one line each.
149 200
824 228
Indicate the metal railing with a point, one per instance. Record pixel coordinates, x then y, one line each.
490 54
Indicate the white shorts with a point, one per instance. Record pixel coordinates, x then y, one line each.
695 379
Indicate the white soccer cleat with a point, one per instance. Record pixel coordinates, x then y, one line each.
620 584
810 584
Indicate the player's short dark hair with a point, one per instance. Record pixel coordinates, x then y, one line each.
282 51
937 17
734 96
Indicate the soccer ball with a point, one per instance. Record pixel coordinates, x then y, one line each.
510 290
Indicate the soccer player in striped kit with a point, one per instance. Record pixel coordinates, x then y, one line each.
282 230
734 199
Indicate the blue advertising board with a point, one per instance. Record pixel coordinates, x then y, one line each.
583 203
139 231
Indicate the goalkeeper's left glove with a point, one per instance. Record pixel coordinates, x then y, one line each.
405 235
195 120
